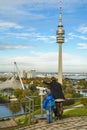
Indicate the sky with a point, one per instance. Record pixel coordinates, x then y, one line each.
28 35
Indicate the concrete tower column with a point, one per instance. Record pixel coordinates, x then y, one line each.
60 64
60 40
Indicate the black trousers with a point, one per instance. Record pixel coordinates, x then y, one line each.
58 110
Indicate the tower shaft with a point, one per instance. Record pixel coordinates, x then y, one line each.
60 40
60 64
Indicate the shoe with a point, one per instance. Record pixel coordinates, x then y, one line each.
56 118
60 117
49 122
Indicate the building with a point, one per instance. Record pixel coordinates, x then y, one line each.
31 74
23 74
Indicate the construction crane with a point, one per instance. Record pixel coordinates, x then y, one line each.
19 75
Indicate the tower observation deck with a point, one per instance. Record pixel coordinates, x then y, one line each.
60 39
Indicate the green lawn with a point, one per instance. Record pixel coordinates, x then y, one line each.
75 112
70 106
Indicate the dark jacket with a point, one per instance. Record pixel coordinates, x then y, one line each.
56 89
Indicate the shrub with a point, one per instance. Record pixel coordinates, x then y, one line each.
76 95
68 102
3 100
84 101
68 95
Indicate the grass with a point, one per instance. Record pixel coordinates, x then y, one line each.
75 112
70 106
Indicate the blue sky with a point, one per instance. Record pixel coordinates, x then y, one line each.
28 35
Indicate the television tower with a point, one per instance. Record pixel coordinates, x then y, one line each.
60 40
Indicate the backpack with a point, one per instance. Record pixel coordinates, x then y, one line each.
49 102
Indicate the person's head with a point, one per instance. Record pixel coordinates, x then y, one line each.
48 89
53 79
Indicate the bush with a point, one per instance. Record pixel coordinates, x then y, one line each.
84 101
3 100
68 102
68 95
76 95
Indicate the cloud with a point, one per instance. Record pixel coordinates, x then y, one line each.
75 68
46 62
6 25
82 29
13 30
11 46
32 35
36 60
27 9
82 45
72 36
49 39
74 63
70 59
19 10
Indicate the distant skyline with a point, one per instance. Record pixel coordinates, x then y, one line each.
28 35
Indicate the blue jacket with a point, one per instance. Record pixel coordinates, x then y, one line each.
48 102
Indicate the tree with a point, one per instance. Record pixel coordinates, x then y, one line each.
69 90
18 93
14 108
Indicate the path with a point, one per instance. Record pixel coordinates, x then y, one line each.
71 123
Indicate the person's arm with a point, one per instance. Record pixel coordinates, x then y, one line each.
46 83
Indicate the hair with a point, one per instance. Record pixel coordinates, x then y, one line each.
48 87
53 79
